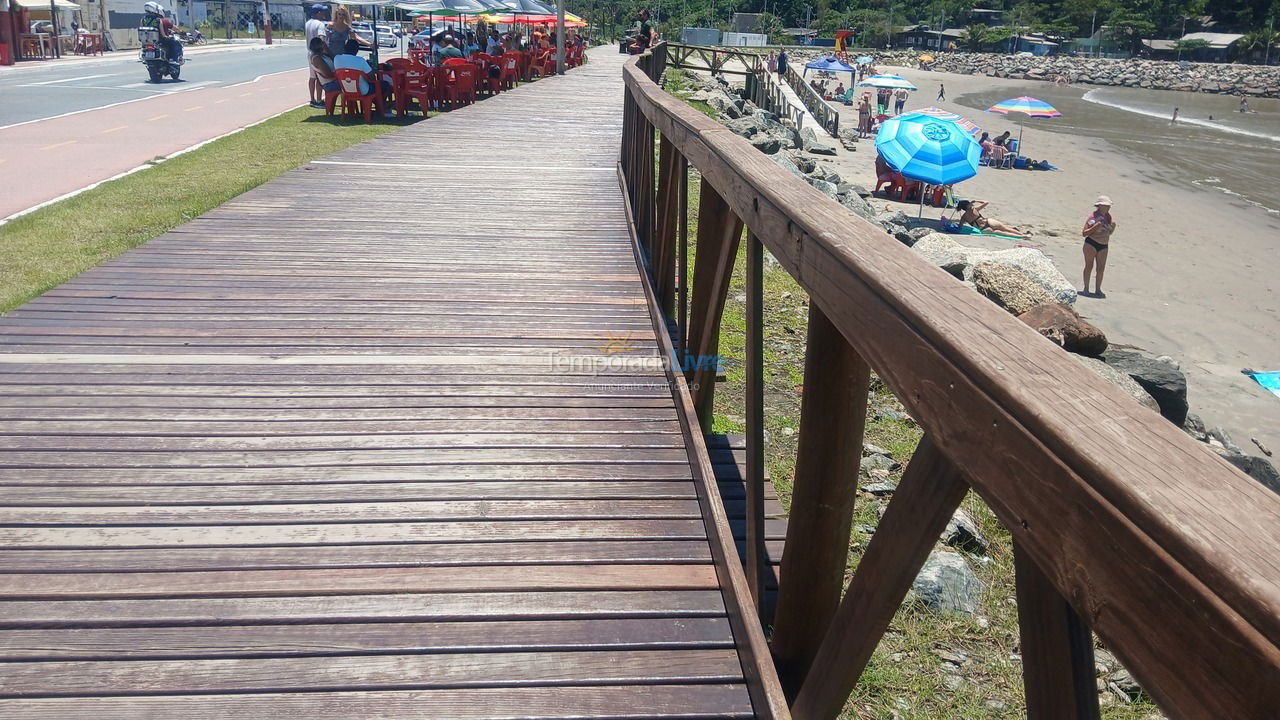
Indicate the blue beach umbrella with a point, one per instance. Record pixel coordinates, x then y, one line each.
892 82
928 149
830 64
864 60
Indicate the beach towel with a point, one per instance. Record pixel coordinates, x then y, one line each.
1268 380
958 229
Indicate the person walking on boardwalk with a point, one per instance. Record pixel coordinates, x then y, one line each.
1097 238
782 63
942 91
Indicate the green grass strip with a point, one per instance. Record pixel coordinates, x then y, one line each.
54 244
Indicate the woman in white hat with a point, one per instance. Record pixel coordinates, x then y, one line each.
1097 237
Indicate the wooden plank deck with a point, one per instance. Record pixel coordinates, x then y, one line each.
341 447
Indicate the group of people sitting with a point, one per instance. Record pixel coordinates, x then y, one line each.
995 149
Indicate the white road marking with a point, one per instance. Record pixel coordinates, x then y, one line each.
154 94
66 80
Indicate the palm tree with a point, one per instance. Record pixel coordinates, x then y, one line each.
975 37
1259 40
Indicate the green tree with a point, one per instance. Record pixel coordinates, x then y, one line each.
977 37
1130 27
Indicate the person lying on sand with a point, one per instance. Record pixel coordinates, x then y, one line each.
971 214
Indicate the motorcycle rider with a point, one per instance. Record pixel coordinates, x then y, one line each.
154 17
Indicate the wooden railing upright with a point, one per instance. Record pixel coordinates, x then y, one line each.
1122 525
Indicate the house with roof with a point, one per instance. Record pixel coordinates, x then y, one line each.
1219 47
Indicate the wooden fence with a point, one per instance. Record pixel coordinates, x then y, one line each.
1122 524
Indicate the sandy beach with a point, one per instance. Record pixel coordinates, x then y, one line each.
1191 273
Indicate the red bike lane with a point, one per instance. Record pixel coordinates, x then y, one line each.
62 155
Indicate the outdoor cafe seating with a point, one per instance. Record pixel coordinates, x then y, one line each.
453 83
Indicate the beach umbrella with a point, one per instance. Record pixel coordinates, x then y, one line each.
928 149
892 82
926 58
968 125
830 64
864 60
1028 106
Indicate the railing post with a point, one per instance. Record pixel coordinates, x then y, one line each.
930 491
670 164
1057 648
832 416
754 392
719 232
682 261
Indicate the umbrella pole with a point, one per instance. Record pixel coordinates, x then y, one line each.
920 214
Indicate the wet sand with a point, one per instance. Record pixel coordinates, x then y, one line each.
1192 272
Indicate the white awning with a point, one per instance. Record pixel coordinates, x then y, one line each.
44 4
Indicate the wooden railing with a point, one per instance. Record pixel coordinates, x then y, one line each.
1121 523
826 115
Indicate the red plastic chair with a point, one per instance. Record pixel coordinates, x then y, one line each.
509 75
462 90
419 55
354 101
419 84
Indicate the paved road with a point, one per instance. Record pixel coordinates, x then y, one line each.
39 91
64 127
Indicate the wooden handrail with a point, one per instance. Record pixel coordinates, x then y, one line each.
1155 543
827 116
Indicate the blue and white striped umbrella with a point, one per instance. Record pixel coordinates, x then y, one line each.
893 82
928 149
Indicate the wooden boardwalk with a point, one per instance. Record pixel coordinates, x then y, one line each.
385 437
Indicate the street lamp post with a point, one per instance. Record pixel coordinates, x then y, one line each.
1184 34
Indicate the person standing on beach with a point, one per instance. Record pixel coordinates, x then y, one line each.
942 91
900 101
1097 238
1174 119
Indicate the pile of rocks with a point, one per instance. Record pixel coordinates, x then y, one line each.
1023 281
1231 79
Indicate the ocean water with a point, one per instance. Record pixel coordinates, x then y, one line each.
1212 145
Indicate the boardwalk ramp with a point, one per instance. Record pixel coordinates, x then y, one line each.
386 437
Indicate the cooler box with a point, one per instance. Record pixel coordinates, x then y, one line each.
1020 162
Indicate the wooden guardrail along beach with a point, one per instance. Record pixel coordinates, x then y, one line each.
290 459
1122 525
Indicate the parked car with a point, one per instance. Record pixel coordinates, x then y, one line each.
394 30
385 37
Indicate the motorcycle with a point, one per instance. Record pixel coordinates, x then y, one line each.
192 37
156 57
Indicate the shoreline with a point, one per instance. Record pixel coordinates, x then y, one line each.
1192 274
1199 77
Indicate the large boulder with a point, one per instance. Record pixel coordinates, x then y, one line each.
857 205
1009 287
1065 327
960 260
962 532
809 143
806 164
1120 380
1162 380
947 583
823 187
766 144
746 127
942 251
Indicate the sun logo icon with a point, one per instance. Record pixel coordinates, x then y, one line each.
617 344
